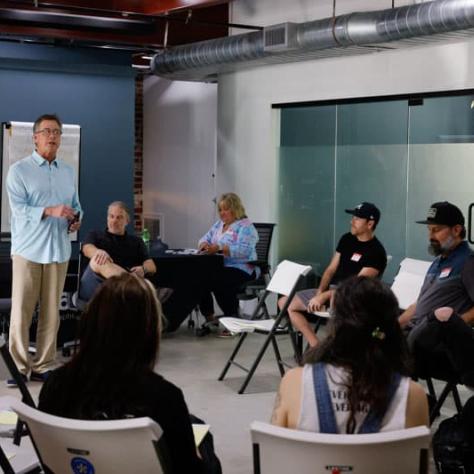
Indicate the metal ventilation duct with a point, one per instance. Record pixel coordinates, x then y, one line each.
354 33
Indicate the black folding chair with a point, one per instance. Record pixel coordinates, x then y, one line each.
284 281
255 288
26 397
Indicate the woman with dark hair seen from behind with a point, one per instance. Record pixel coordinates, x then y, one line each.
359 372
111 377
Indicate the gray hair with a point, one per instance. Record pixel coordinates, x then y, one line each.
122 206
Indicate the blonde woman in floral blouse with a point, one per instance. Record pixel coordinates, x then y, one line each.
235 237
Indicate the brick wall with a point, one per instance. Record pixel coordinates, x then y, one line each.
138 168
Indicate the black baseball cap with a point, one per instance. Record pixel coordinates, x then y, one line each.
443 213
366 210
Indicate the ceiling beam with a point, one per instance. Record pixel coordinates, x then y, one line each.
206 23
143 7
154 7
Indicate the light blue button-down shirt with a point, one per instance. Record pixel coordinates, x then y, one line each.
33 184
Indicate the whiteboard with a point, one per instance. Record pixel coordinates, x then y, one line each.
17 139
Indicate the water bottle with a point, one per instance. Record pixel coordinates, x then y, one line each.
146 237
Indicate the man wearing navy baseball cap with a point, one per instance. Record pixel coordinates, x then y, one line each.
450 278
358 252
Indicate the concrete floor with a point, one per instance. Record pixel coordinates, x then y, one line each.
194 364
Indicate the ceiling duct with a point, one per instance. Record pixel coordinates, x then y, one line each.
280 37
354 33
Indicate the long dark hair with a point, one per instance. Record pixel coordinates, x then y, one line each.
119 343
365 339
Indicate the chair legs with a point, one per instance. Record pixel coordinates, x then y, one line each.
250 371
271 335
298 341
257 360
5 464
278 356
230 361
295 340
450 387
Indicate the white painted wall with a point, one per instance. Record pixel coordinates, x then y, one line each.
180 118
179 150
247 125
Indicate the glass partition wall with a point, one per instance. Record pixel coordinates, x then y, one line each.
400 154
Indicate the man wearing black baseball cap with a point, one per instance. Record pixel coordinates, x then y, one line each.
450 278
358 252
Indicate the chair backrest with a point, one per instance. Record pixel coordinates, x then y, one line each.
286 276
409 280
118 446
280 450
265 233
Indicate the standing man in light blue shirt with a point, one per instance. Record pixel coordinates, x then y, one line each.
44 208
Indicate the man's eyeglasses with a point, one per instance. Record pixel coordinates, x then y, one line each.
56 132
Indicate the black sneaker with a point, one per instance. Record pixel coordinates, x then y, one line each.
11 383
40 376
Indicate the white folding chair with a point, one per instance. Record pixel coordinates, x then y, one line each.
280 451
284 282
409 280
117 446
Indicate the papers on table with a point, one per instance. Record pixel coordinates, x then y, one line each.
182 252
237 325
199 432
322 314
8 417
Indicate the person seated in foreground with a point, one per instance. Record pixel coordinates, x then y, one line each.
112 377
358 374
113 251
358 252
235 237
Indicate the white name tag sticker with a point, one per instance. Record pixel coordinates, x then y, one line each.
356 257
445 272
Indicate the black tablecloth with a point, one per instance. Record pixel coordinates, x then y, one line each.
184 271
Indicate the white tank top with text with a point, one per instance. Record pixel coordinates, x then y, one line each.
308 420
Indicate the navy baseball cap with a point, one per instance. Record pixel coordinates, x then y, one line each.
443 213
366 210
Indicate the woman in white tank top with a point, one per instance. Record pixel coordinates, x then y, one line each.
356 380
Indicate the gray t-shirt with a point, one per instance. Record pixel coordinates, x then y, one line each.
448 282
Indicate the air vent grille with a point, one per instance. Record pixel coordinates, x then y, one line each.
280 37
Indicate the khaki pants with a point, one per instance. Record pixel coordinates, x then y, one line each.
33 282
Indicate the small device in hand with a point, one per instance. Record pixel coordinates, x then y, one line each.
73 221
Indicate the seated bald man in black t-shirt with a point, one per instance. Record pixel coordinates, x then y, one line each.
358 252
113 251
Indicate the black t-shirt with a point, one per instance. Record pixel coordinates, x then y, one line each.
356 255
152 396
125 250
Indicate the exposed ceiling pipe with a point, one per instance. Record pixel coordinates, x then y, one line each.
352 33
